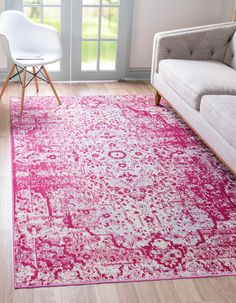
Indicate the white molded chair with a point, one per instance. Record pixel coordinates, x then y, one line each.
28 45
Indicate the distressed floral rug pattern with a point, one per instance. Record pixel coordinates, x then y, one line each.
113 189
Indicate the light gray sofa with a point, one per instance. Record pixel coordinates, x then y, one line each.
194 70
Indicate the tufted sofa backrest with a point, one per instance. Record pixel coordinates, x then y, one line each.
211 42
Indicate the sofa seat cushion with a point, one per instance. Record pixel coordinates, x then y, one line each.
220 112
192 79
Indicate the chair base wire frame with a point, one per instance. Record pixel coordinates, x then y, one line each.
37 73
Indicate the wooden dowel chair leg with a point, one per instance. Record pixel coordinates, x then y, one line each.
36 80
157 98
23 91
7 80
51 84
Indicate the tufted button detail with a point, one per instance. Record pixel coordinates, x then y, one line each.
191 52
212 52
168 51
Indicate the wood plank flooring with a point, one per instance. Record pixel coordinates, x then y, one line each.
212 290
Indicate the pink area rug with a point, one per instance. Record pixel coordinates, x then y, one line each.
114 189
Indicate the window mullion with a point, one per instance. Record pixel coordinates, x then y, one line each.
99 36
42 11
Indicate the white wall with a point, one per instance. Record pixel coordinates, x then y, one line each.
151 16
2 5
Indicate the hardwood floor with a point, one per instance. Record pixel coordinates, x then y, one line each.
220 290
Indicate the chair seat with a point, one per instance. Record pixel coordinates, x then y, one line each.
34 59
220 112
194 78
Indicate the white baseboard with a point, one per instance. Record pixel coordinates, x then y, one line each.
138 74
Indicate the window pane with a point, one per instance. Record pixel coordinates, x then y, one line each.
89 55
51 16
110 2
109 23
31 2
108 55
90 22
52 2
33 13
91 2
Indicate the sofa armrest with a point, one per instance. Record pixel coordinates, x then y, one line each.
208 42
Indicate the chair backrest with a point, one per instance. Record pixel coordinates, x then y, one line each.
24 36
